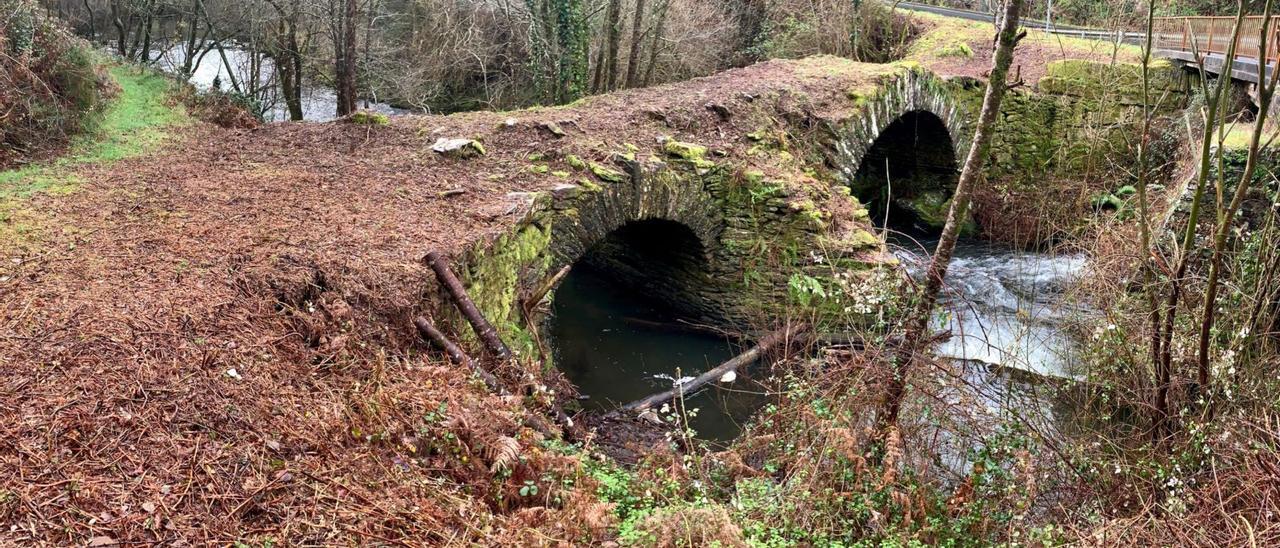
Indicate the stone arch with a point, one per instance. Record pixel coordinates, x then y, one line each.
649 213
906 93
912 129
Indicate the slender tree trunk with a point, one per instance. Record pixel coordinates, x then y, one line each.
657 41
915 337
346 59
637 36
1212 113
1266 89
147 24
1161 398
189 55
122 31
93 26
597 75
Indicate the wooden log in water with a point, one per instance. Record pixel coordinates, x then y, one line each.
455 353
681 326
781 336
485 330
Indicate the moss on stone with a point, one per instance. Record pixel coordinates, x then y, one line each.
1113 82
863 239
575 162
539 168
687 151
606 174
494 279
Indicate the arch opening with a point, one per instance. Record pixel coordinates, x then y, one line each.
658 258
616 323
907 176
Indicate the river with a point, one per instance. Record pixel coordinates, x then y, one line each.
1006 307
319 102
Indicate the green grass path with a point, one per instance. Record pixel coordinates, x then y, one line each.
138 118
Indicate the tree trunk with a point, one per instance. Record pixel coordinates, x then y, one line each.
189 55
145 55
93 28
346 59
915 339
614 20
122 31
637 35
657 41
1147 267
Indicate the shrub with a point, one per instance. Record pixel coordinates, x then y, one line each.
49 83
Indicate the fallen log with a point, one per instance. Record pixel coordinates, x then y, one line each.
539 294
771 340
485 330
455 353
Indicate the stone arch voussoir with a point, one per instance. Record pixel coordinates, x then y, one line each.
907 91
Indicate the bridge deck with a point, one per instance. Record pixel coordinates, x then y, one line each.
1208 39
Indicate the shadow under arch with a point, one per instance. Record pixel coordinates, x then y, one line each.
662 260
908 174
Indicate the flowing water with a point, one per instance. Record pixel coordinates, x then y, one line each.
1006 306
319 103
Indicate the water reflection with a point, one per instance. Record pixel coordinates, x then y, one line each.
601 340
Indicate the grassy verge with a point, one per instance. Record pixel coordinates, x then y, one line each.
140 117
950 40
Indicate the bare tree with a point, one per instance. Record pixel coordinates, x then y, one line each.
915 338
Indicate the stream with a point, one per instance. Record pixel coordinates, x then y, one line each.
1005 307
601 343
319 103
1006 312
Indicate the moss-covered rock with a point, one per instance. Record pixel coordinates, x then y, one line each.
458 148
369 118
606 174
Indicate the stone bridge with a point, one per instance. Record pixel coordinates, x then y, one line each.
732 203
